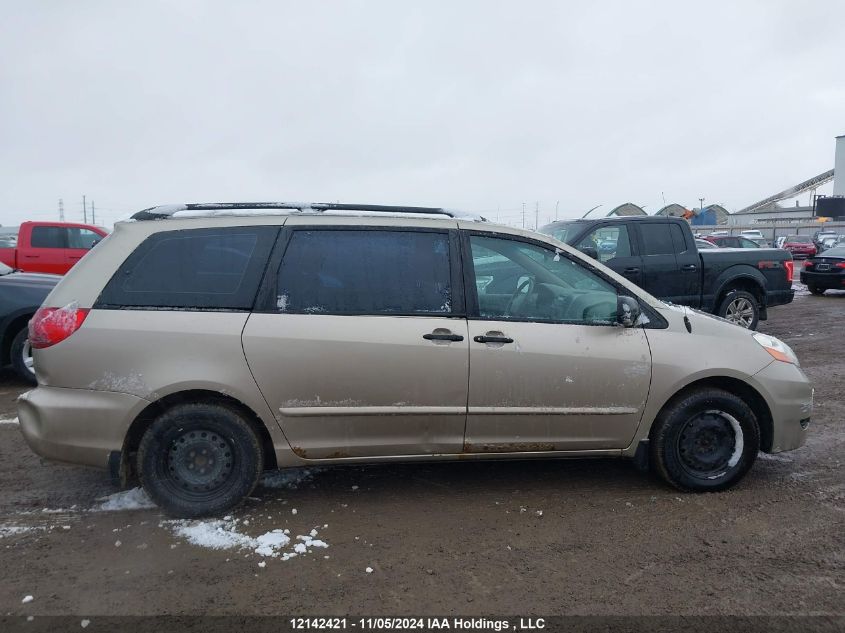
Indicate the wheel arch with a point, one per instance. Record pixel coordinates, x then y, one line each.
753 398
747 282
146 417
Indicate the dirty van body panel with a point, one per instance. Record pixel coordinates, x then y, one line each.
167 352
361 386
556 387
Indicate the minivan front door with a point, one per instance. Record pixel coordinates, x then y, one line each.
549 369
365 350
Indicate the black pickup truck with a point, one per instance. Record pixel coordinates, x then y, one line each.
659 255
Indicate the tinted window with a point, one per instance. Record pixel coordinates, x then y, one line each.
81 238
366 272
609 242
746 243
657 240
194 269
48 237
518 280
678 240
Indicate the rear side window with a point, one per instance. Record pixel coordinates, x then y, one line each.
48 237
82 238
680 243
365 272
657 240
193 269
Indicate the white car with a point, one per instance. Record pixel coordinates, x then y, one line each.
752 234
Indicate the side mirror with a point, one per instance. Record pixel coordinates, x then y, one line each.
95 242
627 311
589 251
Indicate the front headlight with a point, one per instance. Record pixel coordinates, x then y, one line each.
777 348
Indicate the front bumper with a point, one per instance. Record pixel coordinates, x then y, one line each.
789 395
79 426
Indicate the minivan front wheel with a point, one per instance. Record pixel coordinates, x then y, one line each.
199 460
705 441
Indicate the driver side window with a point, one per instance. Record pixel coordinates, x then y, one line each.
523 281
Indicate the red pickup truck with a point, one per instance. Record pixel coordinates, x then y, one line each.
48 247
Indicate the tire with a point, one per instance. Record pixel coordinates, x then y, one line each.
704 441
740 307
21 354
184 442
816 290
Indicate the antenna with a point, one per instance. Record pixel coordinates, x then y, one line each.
590 211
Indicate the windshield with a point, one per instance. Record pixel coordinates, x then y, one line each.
799 239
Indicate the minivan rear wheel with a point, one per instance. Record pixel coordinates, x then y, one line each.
705 441
199 459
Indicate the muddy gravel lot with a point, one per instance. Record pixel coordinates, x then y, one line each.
552 537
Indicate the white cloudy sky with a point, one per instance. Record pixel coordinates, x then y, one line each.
479 105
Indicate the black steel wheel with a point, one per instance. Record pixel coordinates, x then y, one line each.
705 440
199 459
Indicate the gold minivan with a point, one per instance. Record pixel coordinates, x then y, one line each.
199 345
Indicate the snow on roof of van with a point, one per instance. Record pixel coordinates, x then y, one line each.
218 209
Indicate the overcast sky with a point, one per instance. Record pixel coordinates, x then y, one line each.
477 105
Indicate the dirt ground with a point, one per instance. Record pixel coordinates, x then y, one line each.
552 537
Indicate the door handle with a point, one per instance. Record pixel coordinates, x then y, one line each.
32 256
689 268
631 271
492 339
437 336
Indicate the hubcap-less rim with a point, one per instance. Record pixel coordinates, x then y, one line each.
26 354
709 444
741 312
200 461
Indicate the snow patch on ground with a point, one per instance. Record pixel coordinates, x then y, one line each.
801 290
14 530
135 499
9 421
223 534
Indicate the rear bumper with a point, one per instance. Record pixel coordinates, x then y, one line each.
79 426
779 297
790 398
823 280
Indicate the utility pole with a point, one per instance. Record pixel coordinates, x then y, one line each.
61 210
536 215
701 204
84 210
93 217
523 215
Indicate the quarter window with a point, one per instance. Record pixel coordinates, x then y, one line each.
366 272
193 269
523 281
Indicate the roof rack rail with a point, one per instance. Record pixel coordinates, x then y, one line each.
168 211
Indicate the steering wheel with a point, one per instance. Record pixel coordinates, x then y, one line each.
528 282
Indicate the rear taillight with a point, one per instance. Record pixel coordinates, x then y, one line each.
53 325
809 264
790 269
840 265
